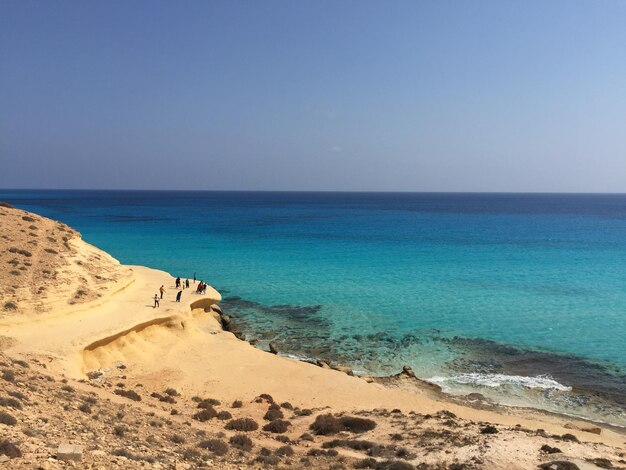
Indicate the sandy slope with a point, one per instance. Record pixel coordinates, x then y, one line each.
177 346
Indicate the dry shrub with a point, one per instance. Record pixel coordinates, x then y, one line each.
28 218
393 465
284 451
355 444
217 446
171 392
325 425
8 375
9 449
191 454
208 402
10 306
489 429
357 425
328 424
286 405
264 397
273 414
241 441
11 403
18 395
224 415
277 426
242 424
6 418
205 414
130 394
237 404
267 459
85 408
177 439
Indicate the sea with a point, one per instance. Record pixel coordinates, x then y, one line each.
518 297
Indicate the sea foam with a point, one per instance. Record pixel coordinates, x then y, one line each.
499 380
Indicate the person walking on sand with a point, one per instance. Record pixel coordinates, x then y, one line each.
187 283
194 278
177 282
156 301
180 292
162 291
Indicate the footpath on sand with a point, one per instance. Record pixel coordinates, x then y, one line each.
65 333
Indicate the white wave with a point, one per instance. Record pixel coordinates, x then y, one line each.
499 380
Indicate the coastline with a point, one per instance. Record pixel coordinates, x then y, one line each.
184 345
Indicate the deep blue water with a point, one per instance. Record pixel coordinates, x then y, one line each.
518 296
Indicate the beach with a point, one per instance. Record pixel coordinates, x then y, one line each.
91 321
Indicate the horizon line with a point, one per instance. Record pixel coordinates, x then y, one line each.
314 191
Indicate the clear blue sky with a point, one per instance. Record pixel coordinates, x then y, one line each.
314 95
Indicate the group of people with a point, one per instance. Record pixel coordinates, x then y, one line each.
201 289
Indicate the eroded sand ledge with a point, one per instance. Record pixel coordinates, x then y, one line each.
183 345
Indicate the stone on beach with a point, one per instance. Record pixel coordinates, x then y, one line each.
69 452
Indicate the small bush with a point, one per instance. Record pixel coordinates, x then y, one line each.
11 403
9 449
224 415
284 451
394 465
328 424
21 363
489 430
237 404
209 402
85 408
273 414
10 306
355 445
241 441
325 425
28 218
205 414
569 437
286 405
366 463
306 437
264 397
130 394
277 426
119 431
267 459
67 388
8 375
6 418
51 251
171 392
304 412
242 424
217 446
177 439
357 425
191 454
18 395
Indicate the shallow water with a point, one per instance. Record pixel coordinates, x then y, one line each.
519 297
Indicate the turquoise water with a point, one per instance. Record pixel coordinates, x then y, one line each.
520 297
